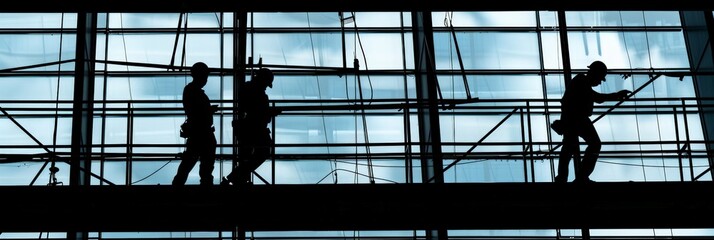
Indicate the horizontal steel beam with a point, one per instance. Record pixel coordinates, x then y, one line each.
602 205
343 5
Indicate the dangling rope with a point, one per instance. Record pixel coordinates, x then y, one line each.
654 94
450 23
365 130
57 93
182 65
447 21
637 120
319 96
53 168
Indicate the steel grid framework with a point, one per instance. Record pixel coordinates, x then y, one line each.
633 195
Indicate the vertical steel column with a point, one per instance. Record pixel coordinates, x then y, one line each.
427 98
565 53
239 55
564 47
408 160
81 150
698 31
239 63
679 150
83 98
428 111
524 145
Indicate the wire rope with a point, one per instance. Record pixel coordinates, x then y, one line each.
319 96
637 121
365 130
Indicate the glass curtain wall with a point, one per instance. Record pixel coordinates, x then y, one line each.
345 82
36 91
511 62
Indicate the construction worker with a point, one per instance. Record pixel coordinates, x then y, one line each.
577 107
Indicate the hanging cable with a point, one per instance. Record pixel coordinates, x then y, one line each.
182 66
654 95
319 95
366 66
450 23
51 159
152 173
365 130
637 121
356 138
447 20
130 107
53 169
126 56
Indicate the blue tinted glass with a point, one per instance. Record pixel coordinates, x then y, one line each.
484 19
487 50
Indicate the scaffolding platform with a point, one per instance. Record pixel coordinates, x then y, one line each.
605 205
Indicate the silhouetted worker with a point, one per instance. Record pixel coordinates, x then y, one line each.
200 141
255 142
577 107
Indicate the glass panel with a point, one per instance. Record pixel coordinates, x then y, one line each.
158 130
42 129
158 88
376 51
159 172
515 233
492 87
653 233
298 49
158 48
475 127
164 20
338 129
335 234
484 19
38 20
485 171
294 19
552 53
338 171
623 18
22 173
36 88
113 171
548 18
487 50
626 50
337 87
21 50
376 19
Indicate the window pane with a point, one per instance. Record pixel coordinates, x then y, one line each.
484 19
158 48
20 50
164 20
623 18
294 19
377 19
38 20
377 51
626 50
487 50
298 49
